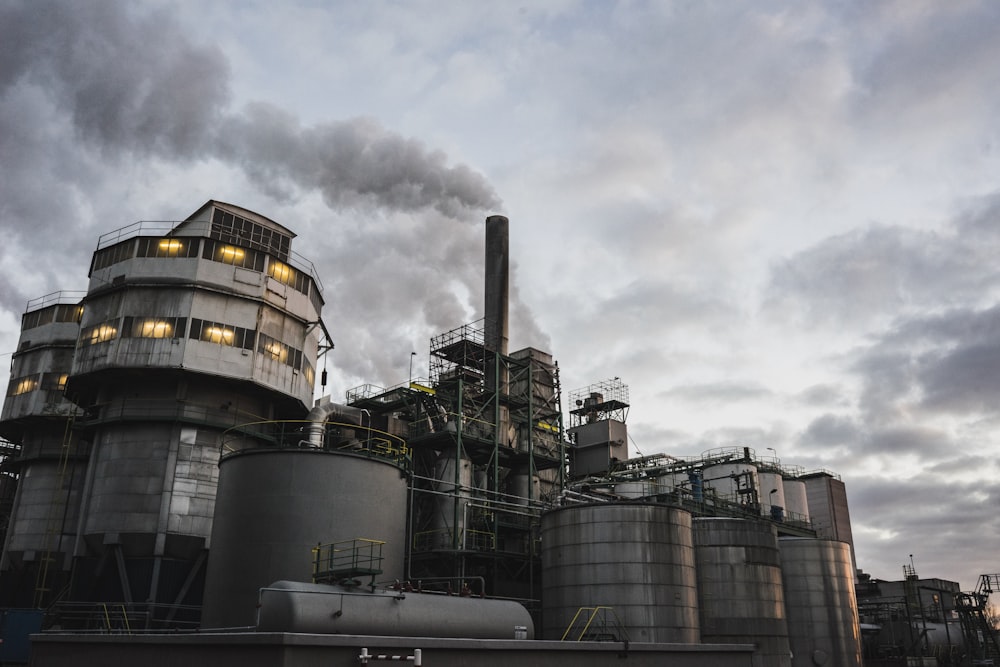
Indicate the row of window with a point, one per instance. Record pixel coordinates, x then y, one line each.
234 229
57 313
205 330
46 381
214 250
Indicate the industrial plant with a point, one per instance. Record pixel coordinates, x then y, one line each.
171 491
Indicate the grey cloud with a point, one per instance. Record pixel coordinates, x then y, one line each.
831 430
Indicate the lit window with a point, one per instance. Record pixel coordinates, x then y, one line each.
24 385
170 247
102 333
218 335
229 254
276 350
281 272
155 329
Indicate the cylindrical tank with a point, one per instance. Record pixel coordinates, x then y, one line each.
635 558
796 501
635 489
274 505
454 475
733 482
822 610
772 494
288 606
740 593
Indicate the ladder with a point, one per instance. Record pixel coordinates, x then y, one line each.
606 629
54 523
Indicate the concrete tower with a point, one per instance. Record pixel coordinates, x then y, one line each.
185 333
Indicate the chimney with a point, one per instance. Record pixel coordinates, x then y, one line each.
495 302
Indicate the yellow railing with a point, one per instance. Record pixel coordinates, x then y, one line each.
592 613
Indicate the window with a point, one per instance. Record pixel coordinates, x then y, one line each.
235 255
119 252
23 385
99 333
272 348
240 231
288 276
154 327
54 381
168 247
57 313
222 334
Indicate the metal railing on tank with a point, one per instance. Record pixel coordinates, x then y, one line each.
327 436
335 562
596 624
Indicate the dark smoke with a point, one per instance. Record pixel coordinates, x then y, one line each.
93 90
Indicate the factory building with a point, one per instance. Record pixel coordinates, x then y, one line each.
170 460
120 397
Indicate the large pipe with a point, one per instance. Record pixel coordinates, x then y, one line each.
497 282
323 412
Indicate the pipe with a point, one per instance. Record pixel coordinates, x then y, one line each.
321 413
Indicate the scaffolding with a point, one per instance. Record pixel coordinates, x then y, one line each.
486 436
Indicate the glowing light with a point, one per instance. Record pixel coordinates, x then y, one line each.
102 333
170 247
218 335
281 272
230 254
156 329
61 384
25 385
277 351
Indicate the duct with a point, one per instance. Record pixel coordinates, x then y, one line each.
322 413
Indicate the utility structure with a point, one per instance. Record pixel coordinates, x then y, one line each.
486 436
981 636
120 399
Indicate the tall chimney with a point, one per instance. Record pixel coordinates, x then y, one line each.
497 280
495 302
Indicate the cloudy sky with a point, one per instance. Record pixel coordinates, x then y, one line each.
777 222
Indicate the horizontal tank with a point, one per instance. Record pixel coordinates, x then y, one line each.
288 606
823 625
636 559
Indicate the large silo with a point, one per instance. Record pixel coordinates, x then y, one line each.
740 593
50 458
796 499
637 559
274 506
823 626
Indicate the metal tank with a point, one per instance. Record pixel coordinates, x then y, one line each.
740 594
796 500
636 558
772 494
823 625
274 506
288 606
734 482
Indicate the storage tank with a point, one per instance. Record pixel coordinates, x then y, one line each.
637 558
275 505
740 593
288 606
735 482
772 494
796 500
823 625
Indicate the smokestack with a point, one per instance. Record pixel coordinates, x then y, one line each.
497 280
